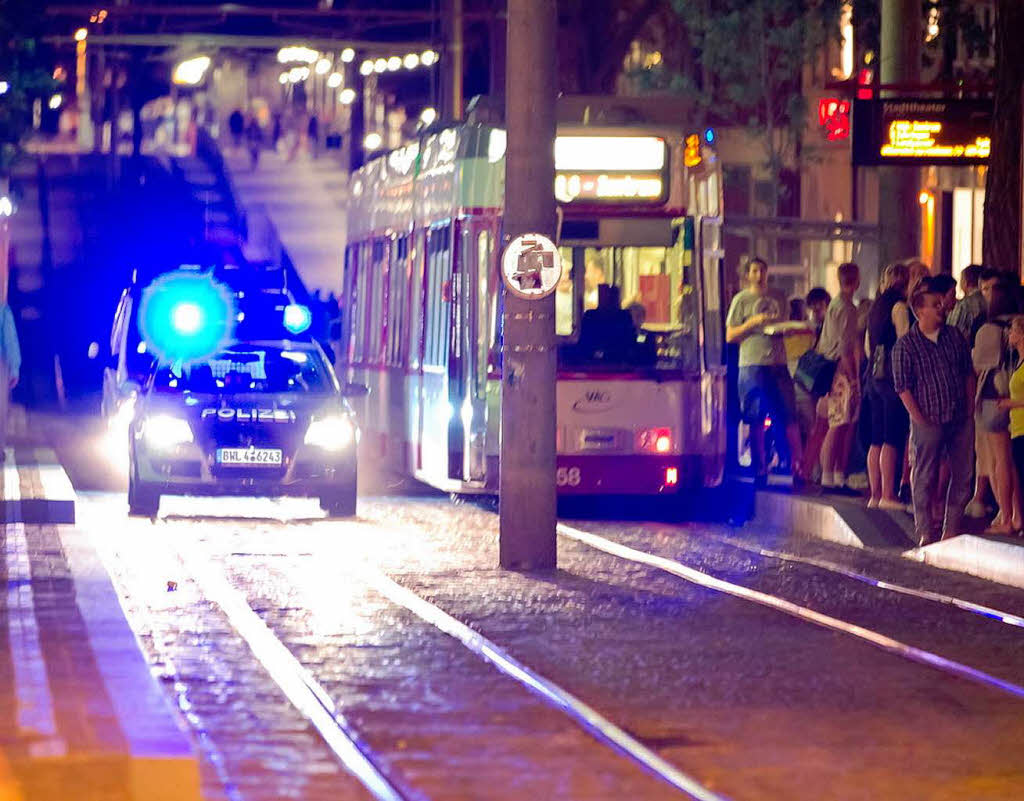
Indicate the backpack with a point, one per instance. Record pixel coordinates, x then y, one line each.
991 358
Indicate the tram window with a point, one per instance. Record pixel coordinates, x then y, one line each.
565 297
362 303
377 312
348 318
714 325
416 306
397 284
438 307
657 286
483 271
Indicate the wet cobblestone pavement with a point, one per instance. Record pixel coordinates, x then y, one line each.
753 703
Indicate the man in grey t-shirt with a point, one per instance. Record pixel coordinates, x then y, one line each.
764 384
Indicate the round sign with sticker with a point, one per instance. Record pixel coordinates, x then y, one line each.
531 266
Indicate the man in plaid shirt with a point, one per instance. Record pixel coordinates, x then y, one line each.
934 377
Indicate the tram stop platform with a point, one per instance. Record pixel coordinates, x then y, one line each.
849 522
79 707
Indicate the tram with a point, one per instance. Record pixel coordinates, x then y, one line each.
639 209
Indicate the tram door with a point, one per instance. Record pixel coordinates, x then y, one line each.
470 346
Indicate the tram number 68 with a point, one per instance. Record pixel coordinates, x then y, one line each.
567 476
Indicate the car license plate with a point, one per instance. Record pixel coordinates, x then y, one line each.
249 456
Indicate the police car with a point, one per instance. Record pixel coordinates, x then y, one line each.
256 418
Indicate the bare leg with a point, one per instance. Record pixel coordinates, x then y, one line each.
843 455
812 452
1001 476
983 469
875 473
757 448
796 447
887 469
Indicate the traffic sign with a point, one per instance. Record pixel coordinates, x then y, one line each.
531 266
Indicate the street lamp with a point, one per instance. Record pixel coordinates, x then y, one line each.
372 142
428 57
366 68
347 96
394 63
322 66
191 71
334 80
81 34
305 55
380 65
348 55
412 61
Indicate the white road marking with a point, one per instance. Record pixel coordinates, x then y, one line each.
968 606
589 718
294 680
764 599
31 682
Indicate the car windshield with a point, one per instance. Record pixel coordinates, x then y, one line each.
249 369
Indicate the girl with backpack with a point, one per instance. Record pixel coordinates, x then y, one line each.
992 359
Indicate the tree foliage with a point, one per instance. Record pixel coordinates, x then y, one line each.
597 35
743 62
25 68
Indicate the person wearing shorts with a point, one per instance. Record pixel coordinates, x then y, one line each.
888 320
764 385
839 343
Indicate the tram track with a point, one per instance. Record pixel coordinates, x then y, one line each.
310 697
216 564
294 680
777 603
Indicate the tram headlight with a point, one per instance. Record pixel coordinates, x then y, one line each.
331 433
655 440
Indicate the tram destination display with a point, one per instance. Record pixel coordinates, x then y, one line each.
924 132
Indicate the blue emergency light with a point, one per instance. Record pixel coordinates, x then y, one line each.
186 316
297 318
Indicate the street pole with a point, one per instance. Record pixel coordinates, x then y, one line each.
527 503
82 94
6 210
899 212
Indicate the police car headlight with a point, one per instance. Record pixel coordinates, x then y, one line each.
163 431
124 414
331 433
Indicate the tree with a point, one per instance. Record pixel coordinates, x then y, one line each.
1001 234
25 71
742 61
599 34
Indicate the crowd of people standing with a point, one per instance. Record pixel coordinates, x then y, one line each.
928 388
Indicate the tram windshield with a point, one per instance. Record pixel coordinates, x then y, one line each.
640 309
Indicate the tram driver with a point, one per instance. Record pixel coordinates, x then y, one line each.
607 332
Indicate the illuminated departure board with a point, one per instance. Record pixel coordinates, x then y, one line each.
921 131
